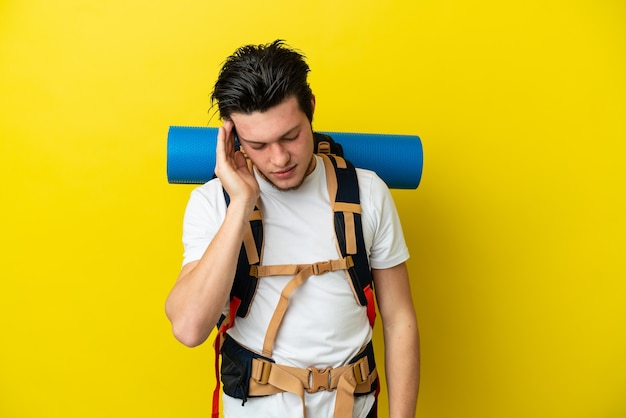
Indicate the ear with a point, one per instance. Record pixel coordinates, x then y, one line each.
313 104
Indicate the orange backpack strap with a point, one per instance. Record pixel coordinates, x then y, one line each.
302 272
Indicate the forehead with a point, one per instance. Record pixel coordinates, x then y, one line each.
271 124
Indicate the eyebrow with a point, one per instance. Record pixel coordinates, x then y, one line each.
284 135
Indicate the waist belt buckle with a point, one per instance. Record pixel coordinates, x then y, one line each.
319 379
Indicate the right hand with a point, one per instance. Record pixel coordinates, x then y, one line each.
232 169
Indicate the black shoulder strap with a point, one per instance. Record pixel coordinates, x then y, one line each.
245 283
349 227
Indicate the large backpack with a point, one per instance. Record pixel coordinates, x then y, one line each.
348 231
343 192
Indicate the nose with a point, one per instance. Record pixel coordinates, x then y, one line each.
280 155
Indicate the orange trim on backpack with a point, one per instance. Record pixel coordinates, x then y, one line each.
217 345
371 308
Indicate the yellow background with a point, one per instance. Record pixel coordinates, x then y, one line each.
516 232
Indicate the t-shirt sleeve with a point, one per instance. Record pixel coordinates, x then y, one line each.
203 216
388 248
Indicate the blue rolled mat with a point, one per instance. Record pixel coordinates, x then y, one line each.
397 159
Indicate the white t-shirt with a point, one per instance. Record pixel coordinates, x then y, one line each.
323 326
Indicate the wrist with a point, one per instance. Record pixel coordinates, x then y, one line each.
241 208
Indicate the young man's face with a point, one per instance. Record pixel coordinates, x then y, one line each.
279 142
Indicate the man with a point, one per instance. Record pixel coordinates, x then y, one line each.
266 103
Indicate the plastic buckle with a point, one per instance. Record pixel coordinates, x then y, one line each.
266 368
323 147
360 373
321 267
319 379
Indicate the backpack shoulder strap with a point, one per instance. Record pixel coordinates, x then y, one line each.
343 190
245 283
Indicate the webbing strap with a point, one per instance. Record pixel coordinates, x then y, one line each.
256 214
288 382
348 218
344 402
331 179
250 245
348 209
271 378
303 272
292 269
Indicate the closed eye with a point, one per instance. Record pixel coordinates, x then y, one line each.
290 136
257 146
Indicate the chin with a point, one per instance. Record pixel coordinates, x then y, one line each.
285 186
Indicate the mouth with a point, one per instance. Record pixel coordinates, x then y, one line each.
283 174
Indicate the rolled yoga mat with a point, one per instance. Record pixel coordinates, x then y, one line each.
397 159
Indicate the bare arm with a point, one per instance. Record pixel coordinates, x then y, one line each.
197 299
402 355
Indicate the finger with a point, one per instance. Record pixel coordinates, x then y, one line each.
228 125
225 141
221 148
228 129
